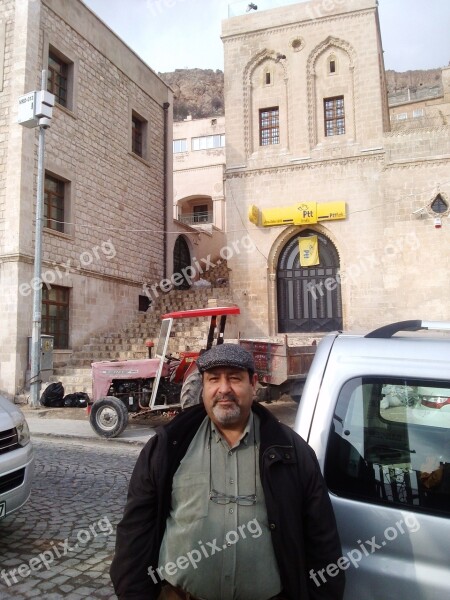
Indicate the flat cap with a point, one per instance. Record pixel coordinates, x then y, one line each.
226 355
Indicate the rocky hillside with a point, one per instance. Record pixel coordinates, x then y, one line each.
199 92
413 79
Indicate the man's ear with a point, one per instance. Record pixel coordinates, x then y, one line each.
254 379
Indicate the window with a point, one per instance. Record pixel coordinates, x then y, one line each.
54 203
55 315
334 116
269 126
179 146
401 116
207 142
201 214
144 303
390 443
58 78
439 205
267 78
332 65
138 133
418 112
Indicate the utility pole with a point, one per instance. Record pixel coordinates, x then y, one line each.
35 110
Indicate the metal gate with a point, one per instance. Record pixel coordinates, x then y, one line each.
309 298
181 260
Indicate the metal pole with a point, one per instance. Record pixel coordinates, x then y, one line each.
35 381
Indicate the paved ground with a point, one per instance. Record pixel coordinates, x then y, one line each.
60 544
66 531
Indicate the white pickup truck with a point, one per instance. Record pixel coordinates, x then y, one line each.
376 410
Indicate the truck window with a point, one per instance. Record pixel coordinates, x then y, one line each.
389 443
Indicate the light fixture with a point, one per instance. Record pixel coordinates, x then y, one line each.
250 7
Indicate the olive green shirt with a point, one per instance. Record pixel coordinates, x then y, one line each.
220 551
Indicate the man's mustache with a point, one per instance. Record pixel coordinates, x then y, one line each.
228 397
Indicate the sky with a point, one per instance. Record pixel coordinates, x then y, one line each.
178 34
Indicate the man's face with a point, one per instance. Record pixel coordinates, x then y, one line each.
228 395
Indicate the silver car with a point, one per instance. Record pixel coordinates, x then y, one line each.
16 458
376 409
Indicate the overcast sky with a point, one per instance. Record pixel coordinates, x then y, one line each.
177 34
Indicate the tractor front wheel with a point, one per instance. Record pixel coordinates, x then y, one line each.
109 417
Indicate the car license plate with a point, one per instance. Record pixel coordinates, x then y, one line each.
2 509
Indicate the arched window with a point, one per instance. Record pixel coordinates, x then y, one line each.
309 298
439 205
181 260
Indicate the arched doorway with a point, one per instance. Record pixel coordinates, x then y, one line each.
309 298
181 260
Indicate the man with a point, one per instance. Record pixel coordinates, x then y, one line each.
226 503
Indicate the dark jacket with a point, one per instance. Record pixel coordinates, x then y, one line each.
299 511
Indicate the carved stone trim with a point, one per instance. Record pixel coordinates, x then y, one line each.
305 166
326 45
296 27
249 69
417 162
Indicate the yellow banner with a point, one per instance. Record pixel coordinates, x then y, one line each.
331 211
305 213
300 214
309 251
253 214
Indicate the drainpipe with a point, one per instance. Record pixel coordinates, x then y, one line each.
166 106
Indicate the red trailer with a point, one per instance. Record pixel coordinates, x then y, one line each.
281 368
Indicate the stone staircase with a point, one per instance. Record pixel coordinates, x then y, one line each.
129 342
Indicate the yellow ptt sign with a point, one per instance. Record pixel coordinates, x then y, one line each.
305 213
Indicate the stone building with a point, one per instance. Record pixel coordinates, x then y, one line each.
108 189
419 105
309 131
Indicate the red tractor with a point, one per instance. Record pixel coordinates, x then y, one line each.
162 383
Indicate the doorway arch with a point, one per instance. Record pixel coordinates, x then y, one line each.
181 260
309 298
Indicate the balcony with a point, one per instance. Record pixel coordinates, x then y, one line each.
196 218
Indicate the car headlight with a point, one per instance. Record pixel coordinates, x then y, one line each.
23 432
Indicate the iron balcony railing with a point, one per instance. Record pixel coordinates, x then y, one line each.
198 218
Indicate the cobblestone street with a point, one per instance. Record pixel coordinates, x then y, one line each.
60 544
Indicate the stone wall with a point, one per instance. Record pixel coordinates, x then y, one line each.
114 231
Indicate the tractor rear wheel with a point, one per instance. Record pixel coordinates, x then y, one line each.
191 392
109 417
